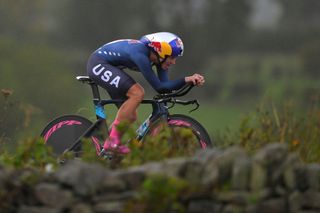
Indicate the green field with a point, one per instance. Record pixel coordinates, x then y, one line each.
215 118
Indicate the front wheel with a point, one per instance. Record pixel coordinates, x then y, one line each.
186 135
201 136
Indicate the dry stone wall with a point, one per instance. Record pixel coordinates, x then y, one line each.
272 180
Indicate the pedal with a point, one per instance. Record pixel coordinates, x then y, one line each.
106 154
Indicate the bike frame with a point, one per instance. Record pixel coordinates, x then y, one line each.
159 110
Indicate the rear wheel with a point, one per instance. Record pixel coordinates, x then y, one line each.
62 132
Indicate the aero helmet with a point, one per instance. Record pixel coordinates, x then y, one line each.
164 44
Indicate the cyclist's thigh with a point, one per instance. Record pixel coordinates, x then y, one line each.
114 80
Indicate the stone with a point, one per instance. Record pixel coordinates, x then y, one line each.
174 167
84 178
271 155
218 168
192 171
112 183
132 177
226 162
3 177
311 200
81 208
275 205
233 197
259 177
241 171
24 176
109 207
52 195
295 202
210 175
149 168
37 209
307 200
231 208
217 181
268 166
203 206
123 196
313 176
205 155
289 175
301 178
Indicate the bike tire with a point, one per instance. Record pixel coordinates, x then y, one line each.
62 132
184 121
182 140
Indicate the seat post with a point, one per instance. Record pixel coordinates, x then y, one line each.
95 92
94 88
100 114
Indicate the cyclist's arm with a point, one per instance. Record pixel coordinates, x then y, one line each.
161 86
162 74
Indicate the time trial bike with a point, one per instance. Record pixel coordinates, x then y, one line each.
66 133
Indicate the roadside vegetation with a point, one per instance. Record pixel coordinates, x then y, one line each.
284 123
269 123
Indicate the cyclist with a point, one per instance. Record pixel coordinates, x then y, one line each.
105 67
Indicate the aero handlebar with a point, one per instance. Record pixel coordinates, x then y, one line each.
177 93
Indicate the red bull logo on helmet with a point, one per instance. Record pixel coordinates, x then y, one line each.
155 45
162 48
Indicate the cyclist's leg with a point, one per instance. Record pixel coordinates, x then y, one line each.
119 85
127 112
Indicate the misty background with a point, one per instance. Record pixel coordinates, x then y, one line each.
250 51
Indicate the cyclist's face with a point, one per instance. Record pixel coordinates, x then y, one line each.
153 58
168 62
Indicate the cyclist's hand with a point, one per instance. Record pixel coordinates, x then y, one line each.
195 79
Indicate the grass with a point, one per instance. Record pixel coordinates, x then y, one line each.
216 118
29 153
284 123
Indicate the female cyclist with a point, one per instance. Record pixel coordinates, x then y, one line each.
105 67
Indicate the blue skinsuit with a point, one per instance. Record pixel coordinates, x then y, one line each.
134 55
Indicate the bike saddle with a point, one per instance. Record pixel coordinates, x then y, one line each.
84 79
